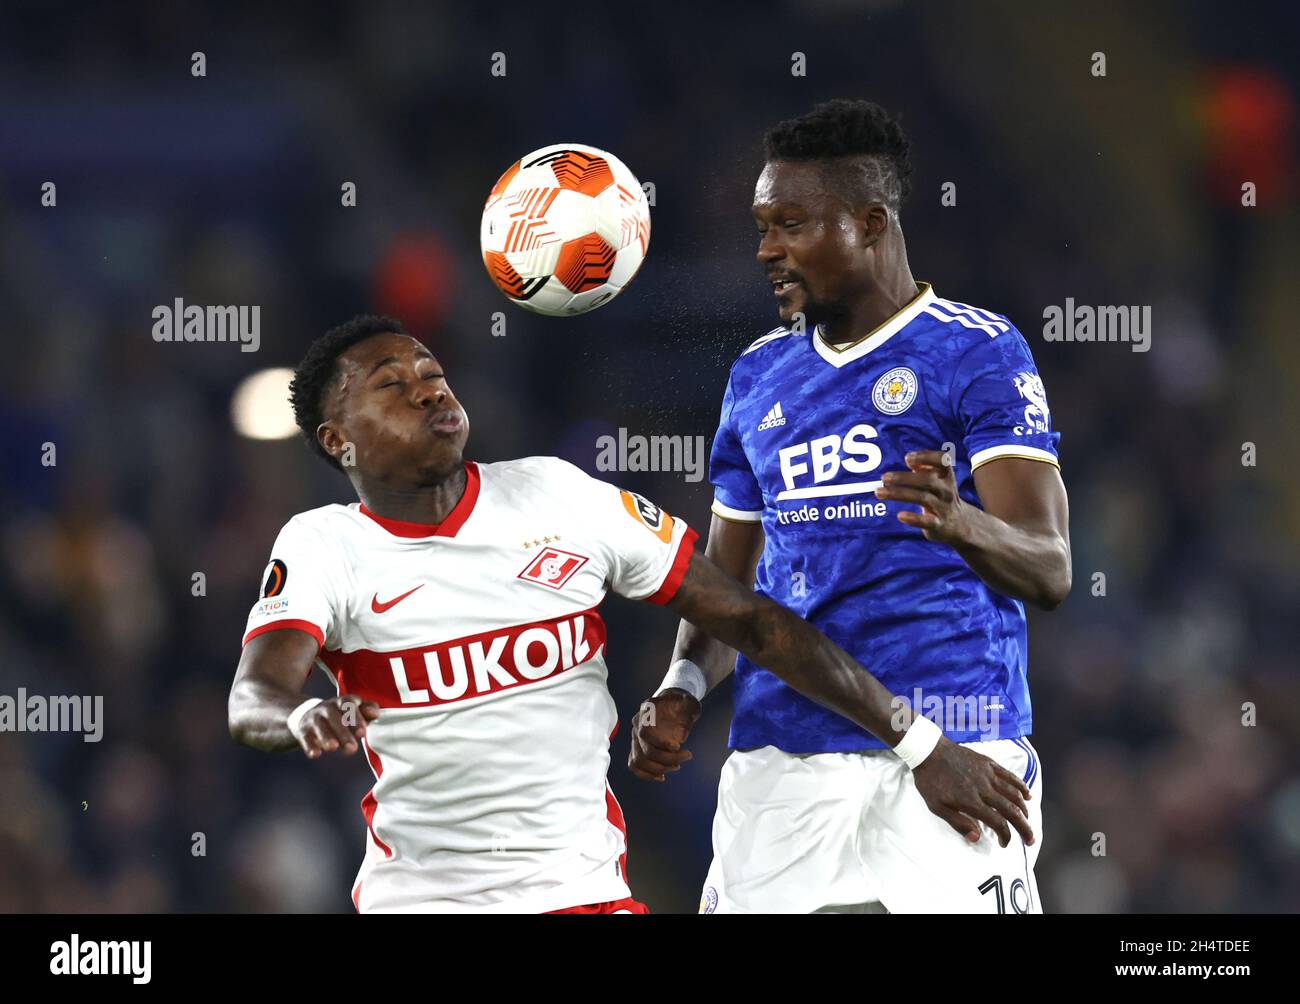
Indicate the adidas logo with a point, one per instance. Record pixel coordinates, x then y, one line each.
772 419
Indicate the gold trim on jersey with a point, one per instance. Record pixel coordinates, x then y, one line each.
1017 456
733 519
922 287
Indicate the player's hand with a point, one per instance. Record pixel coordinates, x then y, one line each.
931 484
338 723
661 727
961 786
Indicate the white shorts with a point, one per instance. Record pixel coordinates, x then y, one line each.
849 833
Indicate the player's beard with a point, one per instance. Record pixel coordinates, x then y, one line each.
815 311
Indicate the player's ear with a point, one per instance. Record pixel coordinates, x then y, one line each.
873 220
330 439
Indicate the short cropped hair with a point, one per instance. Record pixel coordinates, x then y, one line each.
873 151
318 372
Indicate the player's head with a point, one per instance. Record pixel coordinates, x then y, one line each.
374 403
827 205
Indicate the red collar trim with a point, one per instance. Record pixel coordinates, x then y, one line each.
449 526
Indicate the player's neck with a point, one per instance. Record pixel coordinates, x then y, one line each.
874 308
429 504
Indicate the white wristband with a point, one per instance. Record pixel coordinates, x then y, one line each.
685 675
295 716
918 742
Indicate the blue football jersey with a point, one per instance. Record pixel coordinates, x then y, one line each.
806 431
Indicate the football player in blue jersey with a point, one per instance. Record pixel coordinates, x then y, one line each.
885 466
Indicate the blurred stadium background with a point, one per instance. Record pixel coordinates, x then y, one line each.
226 189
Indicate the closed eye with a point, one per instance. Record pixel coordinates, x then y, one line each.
783 225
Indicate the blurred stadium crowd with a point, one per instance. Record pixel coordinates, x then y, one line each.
225 189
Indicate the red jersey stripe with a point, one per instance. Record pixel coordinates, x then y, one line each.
678 572
287 624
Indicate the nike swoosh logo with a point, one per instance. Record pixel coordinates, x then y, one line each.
380 608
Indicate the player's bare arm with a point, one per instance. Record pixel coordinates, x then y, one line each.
1018 543
268 688
734 547
959 785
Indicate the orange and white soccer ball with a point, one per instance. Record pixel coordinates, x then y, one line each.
565 229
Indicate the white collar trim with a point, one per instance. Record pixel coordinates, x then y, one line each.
873 341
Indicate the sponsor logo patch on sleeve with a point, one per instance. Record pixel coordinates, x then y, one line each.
648 515
272 607
277 574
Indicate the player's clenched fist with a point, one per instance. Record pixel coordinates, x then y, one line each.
661 728
338 723
961 786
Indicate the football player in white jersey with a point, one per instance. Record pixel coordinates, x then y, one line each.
454 607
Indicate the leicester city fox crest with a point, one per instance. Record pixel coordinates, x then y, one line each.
895 391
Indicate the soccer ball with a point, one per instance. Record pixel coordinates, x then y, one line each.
565 229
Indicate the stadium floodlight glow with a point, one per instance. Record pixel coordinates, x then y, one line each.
260 406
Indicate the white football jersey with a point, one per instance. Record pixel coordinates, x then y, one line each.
480 640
